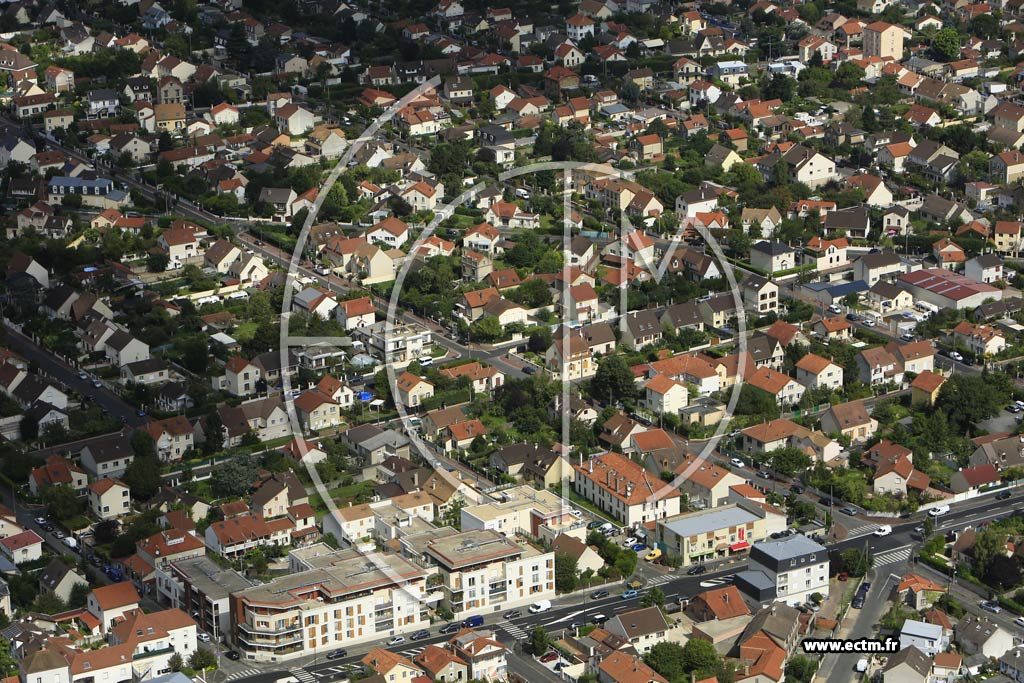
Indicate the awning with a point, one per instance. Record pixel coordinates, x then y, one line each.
741 545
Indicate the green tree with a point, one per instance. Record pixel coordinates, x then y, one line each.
653 597
176 662
613 381
699 655
61 502
79 595
202 659
946 45
156 262
143 477
666 657
214 434
487 329
788 461
566 573
143 445
539 640
234 477
453 514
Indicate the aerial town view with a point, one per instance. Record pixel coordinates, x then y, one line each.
597 341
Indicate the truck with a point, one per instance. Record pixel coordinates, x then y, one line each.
926 307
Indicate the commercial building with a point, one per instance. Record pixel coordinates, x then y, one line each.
718 532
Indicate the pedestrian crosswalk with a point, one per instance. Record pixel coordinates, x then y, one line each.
862 530
658 580
413 651
243 673
513 630
303 675
894 556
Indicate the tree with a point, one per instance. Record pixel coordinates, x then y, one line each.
653 597
453 515
176 662
143 445
202 659
988 545
789 461
106 531
79 595
539 640
156 261
143 477
946 45
540 339
666 657
487 329
699 655
566 573
234 477
214 434
61 502
613 381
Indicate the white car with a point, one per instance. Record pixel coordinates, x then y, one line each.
397 640
956 356
868 322
938 510
203 637
736 462
883 530
629 542
1019 621
834 309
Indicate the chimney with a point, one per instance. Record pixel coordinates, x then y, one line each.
725 597
590 465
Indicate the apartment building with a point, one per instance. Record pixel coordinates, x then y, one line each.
482 571
789 570
624 489
347 598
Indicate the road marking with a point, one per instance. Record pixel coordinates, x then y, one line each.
244 673
664 578
303 675
513 630
567 617
711 583
893 556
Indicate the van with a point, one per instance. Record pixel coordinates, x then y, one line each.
522 194
541 606
425 361
238 295
473 621
71 543
606 527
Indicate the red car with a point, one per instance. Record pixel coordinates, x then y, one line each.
549 657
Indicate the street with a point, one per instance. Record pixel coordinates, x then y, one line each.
50 365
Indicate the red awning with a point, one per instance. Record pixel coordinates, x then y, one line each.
742 545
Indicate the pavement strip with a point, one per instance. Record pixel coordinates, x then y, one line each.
513 630
244 673
303 675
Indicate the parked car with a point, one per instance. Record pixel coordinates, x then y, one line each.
990 606
697 569
337 654
203 637
630 594
595 524
736 462
629 542
450 628
1003 495
938 510
857 602
598 618
40 520
420 635
797 489
654 555
638 547
234 656
956 356
849 510
396 640
549 657
598 594
513 614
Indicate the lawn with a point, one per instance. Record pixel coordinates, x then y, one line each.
343 495
245 331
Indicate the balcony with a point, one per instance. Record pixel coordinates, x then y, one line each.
152 653
294 626
271 643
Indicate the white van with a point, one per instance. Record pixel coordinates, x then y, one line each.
523 194
71 543
425 361
238 295
538 607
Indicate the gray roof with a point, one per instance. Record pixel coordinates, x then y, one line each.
912 627
773 248
791 547
712 519
210 579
